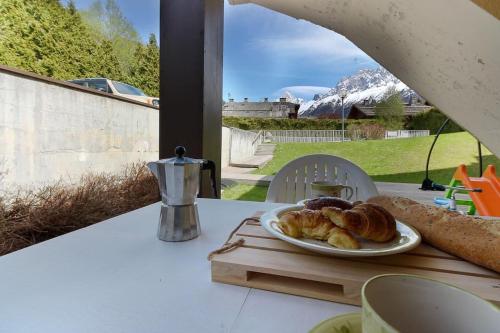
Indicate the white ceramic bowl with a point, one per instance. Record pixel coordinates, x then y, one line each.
412 304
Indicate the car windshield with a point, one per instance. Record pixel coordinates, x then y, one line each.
127 89
98 84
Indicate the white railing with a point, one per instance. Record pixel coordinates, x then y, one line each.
311 136
243 144
406 134
258 139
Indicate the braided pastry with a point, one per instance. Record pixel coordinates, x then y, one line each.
369 221
313 224
319 203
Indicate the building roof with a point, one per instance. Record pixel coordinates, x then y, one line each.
254 106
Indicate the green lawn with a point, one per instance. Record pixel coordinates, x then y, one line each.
245 192
398 160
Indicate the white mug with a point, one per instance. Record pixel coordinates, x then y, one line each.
412 304
330 189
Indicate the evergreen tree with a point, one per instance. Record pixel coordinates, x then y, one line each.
83 57
153 58
109 66
46 38
18 28
72 7
145 67
390 110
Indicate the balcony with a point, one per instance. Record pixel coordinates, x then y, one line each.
88 257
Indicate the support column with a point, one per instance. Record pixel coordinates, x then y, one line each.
191 47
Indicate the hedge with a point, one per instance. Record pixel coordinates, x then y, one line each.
247 123
432 120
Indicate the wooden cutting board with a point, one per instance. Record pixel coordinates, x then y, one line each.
265 262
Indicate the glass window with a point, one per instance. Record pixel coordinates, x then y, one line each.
99 84
80 82
127 89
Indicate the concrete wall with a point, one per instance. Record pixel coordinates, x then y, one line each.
226 146
237 145
242 145
49 131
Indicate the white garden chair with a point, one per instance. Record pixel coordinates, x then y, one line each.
293 182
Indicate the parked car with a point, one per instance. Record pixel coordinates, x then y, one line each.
118 88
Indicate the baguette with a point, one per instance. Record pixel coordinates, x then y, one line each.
474 239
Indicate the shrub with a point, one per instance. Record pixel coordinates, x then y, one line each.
432 120
367 131
34 216
247 123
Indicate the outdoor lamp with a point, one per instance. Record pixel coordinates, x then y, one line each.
343 95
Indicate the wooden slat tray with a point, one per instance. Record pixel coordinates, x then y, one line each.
268 263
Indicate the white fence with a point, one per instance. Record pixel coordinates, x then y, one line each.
310 136
405 134
287 136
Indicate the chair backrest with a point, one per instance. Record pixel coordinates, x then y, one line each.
486 202
293 182
491 174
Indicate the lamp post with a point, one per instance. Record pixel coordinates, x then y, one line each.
343 95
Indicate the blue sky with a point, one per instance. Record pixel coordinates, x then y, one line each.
267 53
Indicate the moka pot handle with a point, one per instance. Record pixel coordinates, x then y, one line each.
210 165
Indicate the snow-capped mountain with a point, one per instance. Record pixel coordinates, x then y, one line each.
366 84
291 98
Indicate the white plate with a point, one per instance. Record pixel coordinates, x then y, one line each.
407 238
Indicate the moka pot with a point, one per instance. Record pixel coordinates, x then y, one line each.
179 182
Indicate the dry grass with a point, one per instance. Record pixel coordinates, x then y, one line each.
30 217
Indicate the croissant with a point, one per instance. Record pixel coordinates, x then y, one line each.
369 221
313 224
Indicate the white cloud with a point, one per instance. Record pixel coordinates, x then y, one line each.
304 93
301 91
310 40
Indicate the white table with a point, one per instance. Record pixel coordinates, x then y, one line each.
116 276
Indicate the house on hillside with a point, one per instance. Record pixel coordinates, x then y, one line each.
262 109
366 109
